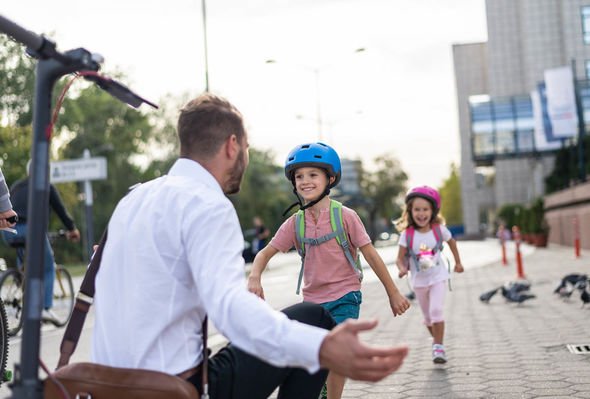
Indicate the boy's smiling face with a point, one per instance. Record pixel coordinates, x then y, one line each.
311 182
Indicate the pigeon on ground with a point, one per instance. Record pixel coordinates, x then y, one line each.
569 283
486 296
516 292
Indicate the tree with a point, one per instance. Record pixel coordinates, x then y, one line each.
265 192
17 80
450 194
89 118
15 142
93 120
383 190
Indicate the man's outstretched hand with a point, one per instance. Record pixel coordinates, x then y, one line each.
343 352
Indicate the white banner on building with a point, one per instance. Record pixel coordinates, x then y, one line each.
561 102
541 142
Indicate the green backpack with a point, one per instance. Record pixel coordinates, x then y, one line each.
338 233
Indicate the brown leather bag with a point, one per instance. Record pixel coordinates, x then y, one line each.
95 381
90 380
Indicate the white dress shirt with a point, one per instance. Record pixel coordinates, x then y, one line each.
174 253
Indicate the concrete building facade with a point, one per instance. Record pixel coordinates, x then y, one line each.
525 37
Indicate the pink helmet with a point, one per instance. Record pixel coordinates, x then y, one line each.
426 192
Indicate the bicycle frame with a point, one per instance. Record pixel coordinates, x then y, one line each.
52 65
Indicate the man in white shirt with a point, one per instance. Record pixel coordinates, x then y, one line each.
173 255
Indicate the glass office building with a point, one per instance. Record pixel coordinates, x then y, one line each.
504 159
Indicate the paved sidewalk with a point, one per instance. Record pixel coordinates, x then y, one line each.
495 350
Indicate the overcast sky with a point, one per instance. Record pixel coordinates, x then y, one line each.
397 97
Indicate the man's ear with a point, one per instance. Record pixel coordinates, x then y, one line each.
232 147
331 180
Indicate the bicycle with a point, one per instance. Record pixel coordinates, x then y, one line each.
5 374
12 290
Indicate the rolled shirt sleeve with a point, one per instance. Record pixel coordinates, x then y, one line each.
5 204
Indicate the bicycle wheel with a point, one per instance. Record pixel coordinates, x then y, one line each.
12 294
4 374
63 296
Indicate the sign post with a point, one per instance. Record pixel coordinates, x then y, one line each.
84 169
81 169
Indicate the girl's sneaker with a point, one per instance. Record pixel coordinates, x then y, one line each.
438 354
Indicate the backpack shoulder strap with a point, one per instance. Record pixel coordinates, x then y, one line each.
410 243
410 237
336 220
300 236
438 235
300 232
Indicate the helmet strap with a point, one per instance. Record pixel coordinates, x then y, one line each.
308 205
315 201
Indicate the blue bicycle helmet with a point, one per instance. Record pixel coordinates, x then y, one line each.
318 155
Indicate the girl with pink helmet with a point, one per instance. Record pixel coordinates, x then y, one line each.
422 234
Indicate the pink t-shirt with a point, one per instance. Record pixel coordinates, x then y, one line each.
327 274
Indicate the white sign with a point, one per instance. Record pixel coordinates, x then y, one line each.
561 101
78 170
541 142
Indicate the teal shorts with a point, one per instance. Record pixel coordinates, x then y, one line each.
346 307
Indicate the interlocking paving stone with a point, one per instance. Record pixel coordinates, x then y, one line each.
551 392
496 350
548 384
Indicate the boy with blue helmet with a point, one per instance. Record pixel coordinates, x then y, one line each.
318 155
328 237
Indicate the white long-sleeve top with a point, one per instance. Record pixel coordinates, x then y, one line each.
173 254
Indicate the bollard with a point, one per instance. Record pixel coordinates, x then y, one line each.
516 238
502 232
576 236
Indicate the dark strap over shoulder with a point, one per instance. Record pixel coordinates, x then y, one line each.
84 300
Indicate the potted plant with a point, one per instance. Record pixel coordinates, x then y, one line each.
538 225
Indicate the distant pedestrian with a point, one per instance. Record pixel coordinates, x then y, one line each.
330 266
19 192
503 233
420 246
261 234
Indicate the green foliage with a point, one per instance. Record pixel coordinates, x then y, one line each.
265 192
450 193
15 149
537 222
530 218
94 120
566 169
512 215
383 190
89 118
17 80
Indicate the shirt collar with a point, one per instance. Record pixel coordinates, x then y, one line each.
195 171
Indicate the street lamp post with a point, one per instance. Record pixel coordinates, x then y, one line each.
316 72
204 13
318 100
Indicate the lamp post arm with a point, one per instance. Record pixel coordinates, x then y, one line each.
316 72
